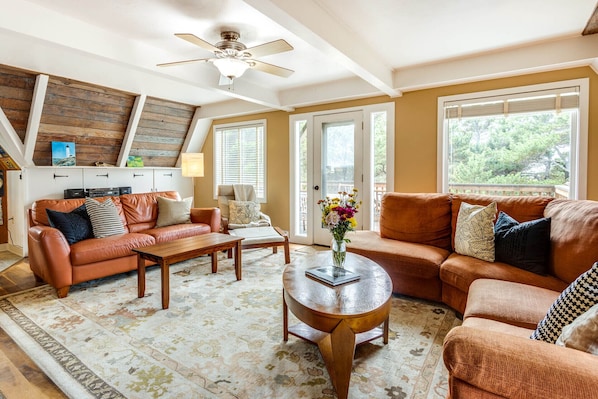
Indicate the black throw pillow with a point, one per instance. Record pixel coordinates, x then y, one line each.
524 245
75 225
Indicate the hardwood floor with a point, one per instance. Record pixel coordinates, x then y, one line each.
19 375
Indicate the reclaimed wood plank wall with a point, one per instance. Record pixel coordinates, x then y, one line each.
95 118
161 132
16 92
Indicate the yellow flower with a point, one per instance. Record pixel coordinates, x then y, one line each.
353 222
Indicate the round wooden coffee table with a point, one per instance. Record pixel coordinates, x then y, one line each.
339 318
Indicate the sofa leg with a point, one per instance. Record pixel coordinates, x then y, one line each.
63 292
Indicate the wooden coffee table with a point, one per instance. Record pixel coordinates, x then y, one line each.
182 249
339 318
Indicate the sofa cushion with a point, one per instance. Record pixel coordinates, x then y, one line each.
39 214
74 225
417 218
112 247
141 210
173 232
460 271
573 241
523 208
173 211
474 235
104 217
582 334
525 245
575 300
508 302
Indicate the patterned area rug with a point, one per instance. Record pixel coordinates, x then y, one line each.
221 338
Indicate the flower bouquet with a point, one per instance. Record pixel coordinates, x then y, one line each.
338 215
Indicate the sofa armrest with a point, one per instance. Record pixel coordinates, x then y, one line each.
516 367
209 216
49 256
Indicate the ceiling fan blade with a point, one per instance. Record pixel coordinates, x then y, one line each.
273 69
224 81
275 47
197 41
167 64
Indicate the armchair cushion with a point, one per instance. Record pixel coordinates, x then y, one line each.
243 212
171 211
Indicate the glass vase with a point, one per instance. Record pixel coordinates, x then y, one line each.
339 252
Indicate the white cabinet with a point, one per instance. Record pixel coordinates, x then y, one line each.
170 179
50 182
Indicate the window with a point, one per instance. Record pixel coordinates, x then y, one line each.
240 156
523 141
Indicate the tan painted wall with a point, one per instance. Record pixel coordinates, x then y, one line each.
415 139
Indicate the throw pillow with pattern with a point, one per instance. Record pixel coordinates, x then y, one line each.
243 212
104 217
575 300
474 233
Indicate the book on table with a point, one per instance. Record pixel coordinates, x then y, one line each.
332 275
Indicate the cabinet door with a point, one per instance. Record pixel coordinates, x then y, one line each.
171 179
97 178
50 182
141 180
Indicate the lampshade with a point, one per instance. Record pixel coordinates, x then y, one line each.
192 164
231 67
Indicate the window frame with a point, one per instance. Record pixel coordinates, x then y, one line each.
241 125
579 142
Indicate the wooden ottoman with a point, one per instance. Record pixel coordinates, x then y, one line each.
263 237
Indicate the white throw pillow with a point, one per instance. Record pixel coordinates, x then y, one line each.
243 212
171 211
474 233
104 217
582 334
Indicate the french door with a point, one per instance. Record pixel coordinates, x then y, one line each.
337 163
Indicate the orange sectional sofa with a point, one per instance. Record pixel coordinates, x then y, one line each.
61 265
491 355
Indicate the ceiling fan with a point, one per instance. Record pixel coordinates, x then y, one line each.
233 58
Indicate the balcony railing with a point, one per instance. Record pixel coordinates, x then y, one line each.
560 191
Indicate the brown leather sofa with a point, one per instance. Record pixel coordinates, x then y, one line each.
491 355
61 265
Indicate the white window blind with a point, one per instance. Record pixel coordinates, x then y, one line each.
240 156
536 101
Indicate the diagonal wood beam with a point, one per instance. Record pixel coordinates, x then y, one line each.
316 26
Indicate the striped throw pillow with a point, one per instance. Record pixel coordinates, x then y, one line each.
104 217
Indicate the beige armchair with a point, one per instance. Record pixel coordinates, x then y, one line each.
244 193
256 230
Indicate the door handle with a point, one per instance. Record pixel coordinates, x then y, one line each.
316 188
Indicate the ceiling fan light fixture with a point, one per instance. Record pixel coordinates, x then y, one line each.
231 67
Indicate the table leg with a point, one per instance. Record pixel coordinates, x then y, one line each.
385 331
238 260
214 257
338 350
165 276
140 276
285 319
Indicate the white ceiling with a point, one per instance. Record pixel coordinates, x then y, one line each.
342 48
